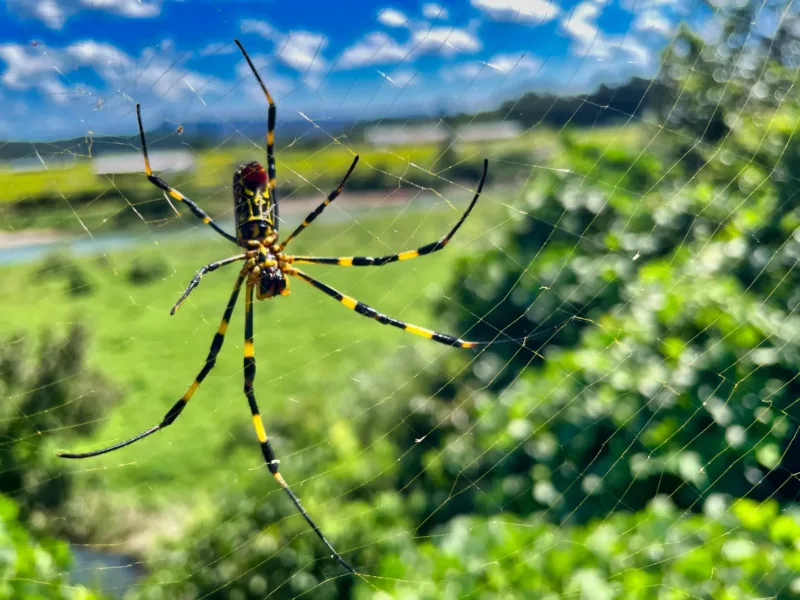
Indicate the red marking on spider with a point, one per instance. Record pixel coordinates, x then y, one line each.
254 175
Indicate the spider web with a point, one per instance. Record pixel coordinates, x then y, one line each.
637 444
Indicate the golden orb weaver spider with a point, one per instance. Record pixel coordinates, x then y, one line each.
265 271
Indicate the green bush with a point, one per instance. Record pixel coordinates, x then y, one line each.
143 270
746 550
50 388
33 569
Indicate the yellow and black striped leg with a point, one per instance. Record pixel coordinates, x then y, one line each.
379 261
370 312
199 276
177 408
173 193
266 446
271 116
318 211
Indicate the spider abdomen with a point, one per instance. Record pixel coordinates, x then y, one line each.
255 210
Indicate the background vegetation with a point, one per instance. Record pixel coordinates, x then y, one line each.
642 442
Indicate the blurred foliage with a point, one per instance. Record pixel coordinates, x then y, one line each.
145 269
48 388
747 550
78 281
33 569
641 444
661 295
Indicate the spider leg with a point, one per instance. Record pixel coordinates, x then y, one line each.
271 116
177 408
370 312
266 446
199 276
173 193
318 211
379 261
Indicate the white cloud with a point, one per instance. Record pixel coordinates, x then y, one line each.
217 49
446 40
508 65
514 63
392 18
432 10
379 48
581 27
54 13
631 5
49 72
374 49
262 28
401 77
590 41
24 66
276 84
53 89
468 70
522 11
638 51
165 76
301 50
652 20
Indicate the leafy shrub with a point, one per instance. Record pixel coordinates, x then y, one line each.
49 389
79 281
33 569
144 270
746 550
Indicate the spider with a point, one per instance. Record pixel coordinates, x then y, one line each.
266 273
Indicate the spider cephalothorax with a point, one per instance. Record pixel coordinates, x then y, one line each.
265 274
265 270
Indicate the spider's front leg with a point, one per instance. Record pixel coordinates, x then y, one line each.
379 261
199 276
173 193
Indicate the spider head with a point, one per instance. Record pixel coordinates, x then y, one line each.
255 215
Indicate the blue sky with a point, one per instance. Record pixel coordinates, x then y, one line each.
68 67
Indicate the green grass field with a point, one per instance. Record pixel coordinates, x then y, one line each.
309 349
214 167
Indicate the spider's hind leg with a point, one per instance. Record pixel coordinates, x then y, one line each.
263 439
177 408
367 311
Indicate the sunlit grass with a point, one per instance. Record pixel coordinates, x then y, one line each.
308 347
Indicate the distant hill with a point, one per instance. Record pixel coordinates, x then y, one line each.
606 105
